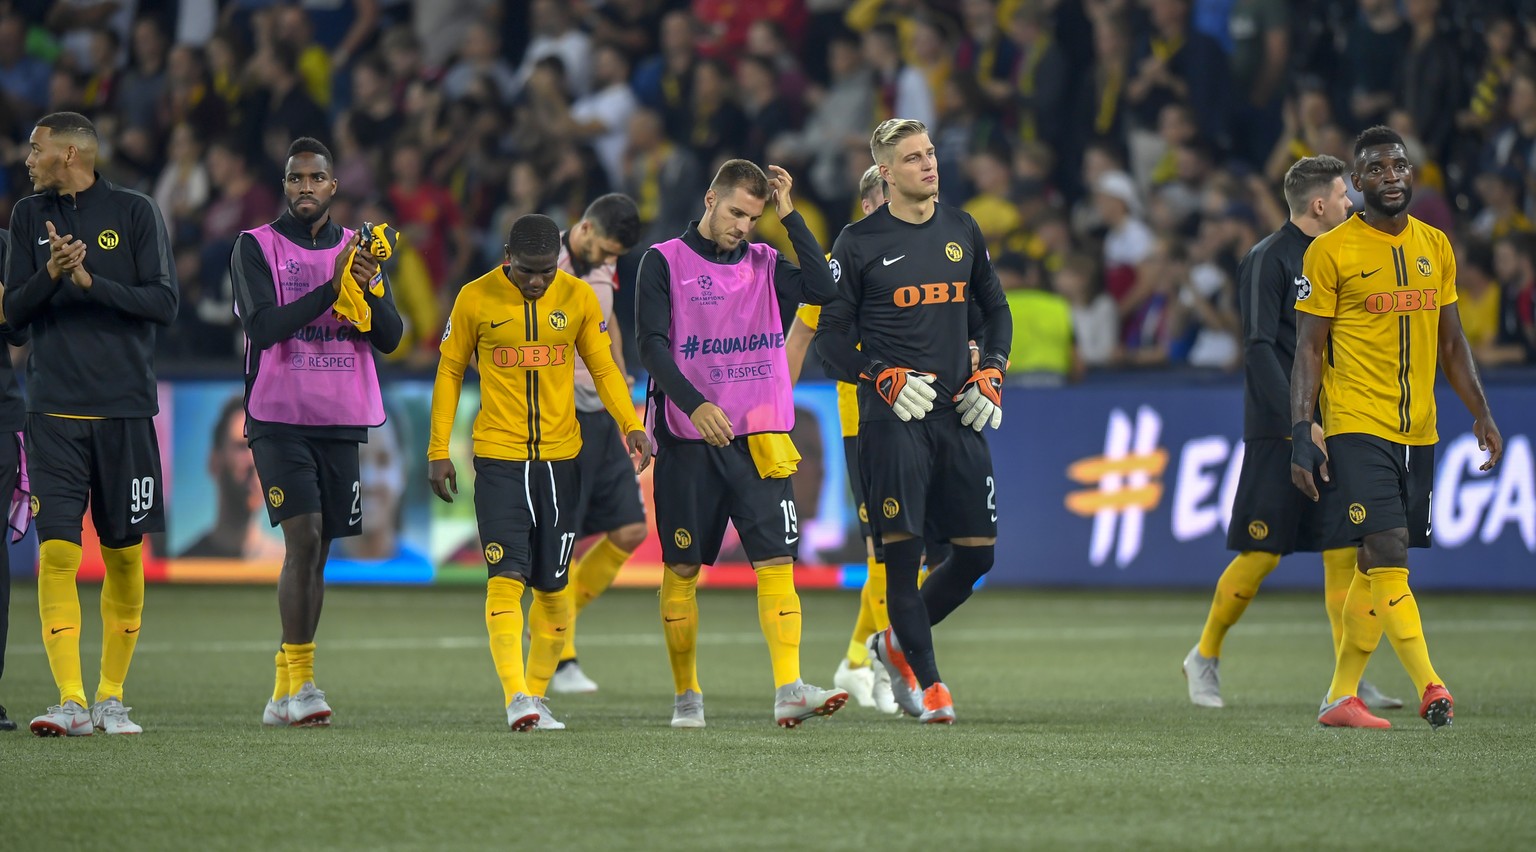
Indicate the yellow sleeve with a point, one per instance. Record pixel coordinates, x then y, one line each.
1448 294
458 345
1318 291
810 315
596 350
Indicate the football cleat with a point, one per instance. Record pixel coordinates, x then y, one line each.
547 720
904 689
1437 708
1203 680
938 707
1350 712
64 720
111 717
795 702
885 702
307 708
860 682
1375 698
522 713
276 714
569 679
688 712
5 721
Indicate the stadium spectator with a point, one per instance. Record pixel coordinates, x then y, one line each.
555 34
900 89
601 119
1514 262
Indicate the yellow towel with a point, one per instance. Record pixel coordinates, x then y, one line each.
774 453
379 241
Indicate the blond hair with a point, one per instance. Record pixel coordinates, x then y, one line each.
869 182
890 132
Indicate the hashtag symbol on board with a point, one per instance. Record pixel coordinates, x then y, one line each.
691 346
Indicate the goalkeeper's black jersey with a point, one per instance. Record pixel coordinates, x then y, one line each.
907 294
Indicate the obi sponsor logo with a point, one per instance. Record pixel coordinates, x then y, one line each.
323 362
695 345
741 372
1401 301
929 294
532 355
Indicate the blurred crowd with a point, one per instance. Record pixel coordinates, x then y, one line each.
1120 155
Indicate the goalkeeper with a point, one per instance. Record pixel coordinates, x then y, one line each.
314 305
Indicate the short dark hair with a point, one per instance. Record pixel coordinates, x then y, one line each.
1373 136
68 122
1308 177
1524 245
311 145
616 217
741 173
534 235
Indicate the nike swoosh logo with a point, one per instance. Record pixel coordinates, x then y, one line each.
60 629
503 612
499 324
1398 601
1369 274
559 629
134 630
560 573
1242 597
800 703
672 620
788 540
136 518
791 612
889 261
42 241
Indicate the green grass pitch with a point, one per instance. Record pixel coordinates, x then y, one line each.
1075 732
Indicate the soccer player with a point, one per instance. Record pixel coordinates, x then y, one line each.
910 274
1269 522
721 404
90 274
868 685
524 323
311 394
1378 302
610 502
13 416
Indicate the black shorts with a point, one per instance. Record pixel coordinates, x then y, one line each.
930 478
115 462
699 487
1269 513
527 517
1378 485
856 485
610 493
301 475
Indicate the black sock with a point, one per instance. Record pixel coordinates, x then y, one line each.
948 585
904 604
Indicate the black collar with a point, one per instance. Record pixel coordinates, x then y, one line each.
297 232
707 248
91 195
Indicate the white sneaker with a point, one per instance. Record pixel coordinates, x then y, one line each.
64 720
688 711
1204 682
1375 699
111 717
276 714
308 709
885 700
860 682
547 720
569 679
795 702
522 713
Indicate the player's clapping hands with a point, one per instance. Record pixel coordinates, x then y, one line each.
909 393
66 256
980 401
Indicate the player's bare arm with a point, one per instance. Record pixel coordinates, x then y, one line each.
1307 454
796 345
1460 370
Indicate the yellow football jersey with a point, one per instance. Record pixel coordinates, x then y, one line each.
1384 295
526 354
847 395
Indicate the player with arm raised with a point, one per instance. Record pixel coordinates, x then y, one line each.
908 276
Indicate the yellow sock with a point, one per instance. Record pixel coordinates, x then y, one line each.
864 625
301 665
58 603
1361 634
875 586
1399 615
549 621
1338 572
778 612
1236 587
680 624
592 574
280 686
122 607
504 621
